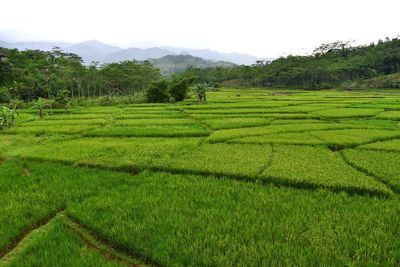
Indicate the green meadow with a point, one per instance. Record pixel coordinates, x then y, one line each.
252 178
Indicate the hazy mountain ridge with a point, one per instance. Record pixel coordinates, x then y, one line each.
237 58
137 54
177 63
94 50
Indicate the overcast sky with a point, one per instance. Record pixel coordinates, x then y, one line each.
267 28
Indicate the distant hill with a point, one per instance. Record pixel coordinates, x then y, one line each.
45 46
137 54
171 64
94 50
91 50
237 58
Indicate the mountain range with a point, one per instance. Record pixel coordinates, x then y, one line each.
94 50
171 64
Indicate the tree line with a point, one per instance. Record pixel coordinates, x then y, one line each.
31 74
330 65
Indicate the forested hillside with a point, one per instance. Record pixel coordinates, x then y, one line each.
172 64
330 65
30 74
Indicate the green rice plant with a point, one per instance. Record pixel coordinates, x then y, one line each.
181 220
348 112
53 244
371 123
228 123
353 137
127 116
234 111
77 117
14 143
318 166
377 105
391 115
332 138
183 155
50 129
155 112
282 116
153 121
58 122
32 192
303 138
114 153
241 161
280 121
207 200
389 145
300 108
136 108
381 164
245 105
191 130
224 135
144 105
53 111
110 110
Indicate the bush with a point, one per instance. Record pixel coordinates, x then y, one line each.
179 87
157 92
5 95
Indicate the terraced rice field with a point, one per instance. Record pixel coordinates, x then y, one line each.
253 178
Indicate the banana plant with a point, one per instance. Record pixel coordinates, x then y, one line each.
200 90
7 116
41 104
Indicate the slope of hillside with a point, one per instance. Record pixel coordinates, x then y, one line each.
92 50
171 64
136 54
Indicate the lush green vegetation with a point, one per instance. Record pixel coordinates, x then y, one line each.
252 178
331 65
53 78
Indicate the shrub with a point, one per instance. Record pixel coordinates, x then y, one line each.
179 87
157 92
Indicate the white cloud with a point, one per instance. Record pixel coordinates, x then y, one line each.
260 27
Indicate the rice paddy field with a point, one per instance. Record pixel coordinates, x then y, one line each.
253 178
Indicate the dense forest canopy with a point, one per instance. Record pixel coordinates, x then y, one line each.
329 66
30 74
